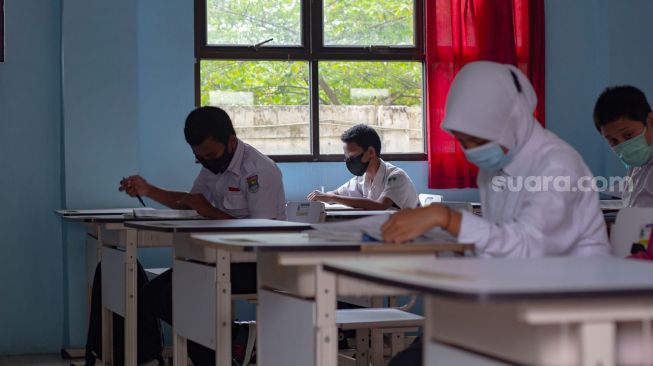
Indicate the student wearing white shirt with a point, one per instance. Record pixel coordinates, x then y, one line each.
376 185
623 117
490 111
236 181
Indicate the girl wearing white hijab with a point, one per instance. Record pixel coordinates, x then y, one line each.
490 111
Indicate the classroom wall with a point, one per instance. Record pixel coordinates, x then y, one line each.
592 44
31 275
127 86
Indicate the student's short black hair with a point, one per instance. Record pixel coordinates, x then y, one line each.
620 102
205 122
363 136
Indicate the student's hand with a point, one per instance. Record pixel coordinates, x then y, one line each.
197 202
135 186
408 224
319 196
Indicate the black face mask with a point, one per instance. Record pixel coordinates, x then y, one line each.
356 166
219 165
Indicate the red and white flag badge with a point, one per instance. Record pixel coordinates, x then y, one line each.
252 183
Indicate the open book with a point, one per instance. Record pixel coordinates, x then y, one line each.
152 213
369 228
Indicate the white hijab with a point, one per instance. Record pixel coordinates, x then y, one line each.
484 102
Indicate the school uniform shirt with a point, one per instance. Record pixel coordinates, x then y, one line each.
485 101
642 186
389 182
251 187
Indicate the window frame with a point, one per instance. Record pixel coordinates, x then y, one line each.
313 51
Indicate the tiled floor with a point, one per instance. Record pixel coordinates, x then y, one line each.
39 360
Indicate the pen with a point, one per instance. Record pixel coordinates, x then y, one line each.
138 196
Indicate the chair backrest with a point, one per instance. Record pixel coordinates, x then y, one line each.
426 199
460 206
626 229
305 212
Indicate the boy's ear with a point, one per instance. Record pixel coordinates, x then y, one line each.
371 152
649 119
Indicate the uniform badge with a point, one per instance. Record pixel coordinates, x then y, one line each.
391 180
252 183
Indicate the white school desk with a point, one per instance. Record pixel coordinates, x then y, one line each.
296 321
549 311
208 270
88 218
115 246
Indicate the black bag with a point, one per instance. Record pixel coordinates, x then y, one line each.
150 337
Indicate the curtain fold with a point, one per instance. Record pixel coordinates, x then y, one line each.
462 31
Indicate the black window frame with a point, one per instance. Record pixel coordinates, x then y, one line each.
313 51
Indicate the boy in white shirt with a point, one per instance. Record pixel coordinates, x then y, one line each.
623 117
376 185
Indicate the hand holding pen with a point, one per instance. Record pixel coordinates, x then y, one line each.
135 186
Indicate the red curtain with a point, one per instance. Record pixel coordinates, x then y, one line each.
462 31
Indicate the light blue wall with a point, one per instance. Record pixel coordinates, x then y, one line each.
127 86
31 275
100 103
592 44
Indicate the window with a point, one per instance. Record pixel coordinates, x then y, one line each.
294 74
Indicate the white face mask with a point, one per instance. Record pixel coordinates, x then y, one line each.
488 157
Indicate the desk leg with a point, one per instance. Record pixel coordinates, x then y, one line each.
223 308
180 350
362 347
598 343
326 333
107 337
131 298
376 336
377 347
427 340
107 317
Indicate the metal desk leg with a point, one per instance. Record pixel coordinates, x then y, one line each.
223 308
180 350
598 343
131 298
326 333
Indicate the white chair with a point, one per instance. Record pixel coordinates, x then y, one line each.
369 323
626 228
426 199
305 212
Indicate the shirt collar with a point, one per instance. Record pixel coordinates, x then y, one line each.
379 173
237 160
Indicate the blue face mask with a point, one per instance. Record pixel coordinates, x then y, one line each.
489 157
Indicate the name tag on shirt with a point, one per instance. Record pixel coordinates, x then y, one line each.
234 189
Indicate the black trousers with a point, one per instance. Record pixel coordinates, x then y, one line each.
411 356
154 304
150 338
157 300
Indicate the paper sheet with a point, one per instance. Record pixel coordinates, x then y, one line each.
354 230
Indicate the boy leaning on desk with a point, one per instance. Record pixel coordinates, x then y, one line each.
236 181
